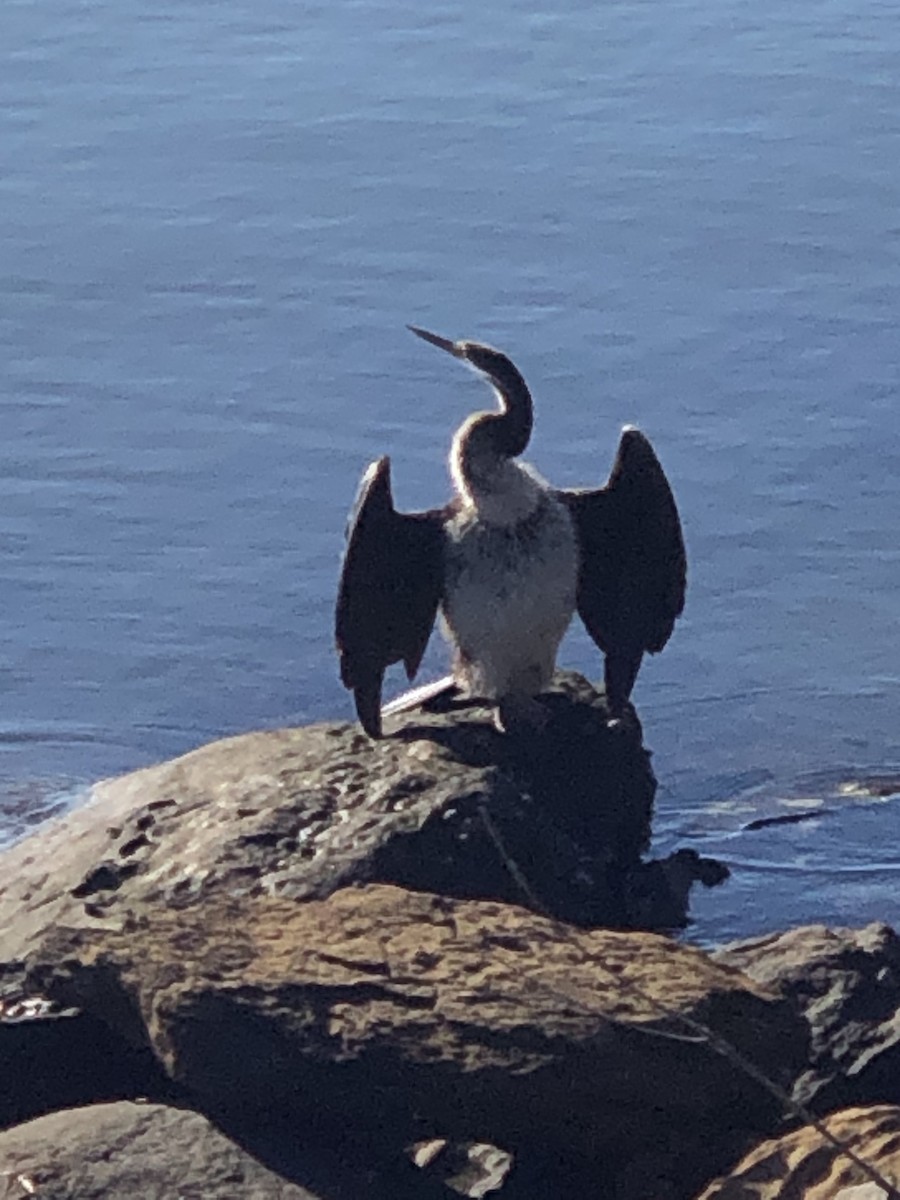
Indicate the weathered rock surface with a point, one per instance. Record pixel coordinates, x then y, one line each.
229 932
846 983
406 1016
323 945
805 1166
128 1151
446 804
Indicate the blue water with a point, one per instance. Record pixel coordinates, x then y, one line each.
216 221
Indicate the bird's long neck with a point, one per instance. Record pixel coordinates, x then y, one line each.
512 426
483 462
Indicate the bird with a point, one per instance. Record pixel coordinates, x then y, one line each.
508 562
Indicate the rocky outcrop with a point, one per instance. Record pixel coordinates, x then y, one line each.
405 1016
846 985
376 969
445 804
804 1165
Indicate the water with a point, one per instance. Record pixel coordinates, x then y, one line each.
217 219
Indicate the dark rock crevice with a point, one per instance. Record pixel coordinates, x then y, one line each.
59 1062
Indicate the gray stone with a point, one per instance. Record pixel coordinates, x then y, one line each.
128 1151
846 984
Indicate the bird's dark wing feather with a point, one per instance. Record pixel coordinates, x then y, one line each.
633 569
389 592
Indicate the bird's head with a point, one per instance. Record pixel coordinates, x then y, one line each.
507 433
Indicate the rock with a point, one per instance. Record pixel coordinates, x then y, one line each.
122 1151
405 1016
445 804
473 1169
251 930
805 1166
880 786
846 983
862 1191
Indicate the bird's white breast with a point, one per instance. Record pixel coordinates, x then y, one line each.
510 589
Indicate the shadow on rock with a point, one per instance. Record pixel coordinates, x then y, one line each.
566 823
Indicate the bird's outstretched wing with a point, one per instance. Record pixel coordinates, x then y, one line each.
389 592
633 569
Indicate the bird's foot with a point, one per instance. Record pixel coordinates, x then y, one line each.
520 715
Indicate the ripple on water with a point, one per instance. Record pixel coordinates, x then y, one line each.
47 770
822 848
25 803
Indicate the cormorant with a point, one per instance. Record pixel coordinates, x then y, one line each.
508 562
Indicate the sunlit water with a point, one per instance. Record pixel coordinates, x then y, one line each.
217 219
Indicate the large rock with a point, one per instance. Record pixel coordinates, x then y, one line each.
403 1016
214 923
846 984
804 1165
445 804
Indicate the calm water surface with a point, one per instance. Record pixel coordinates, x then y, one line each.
217 219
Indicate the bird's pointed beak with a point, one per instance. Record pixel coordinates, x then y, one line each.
436 340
